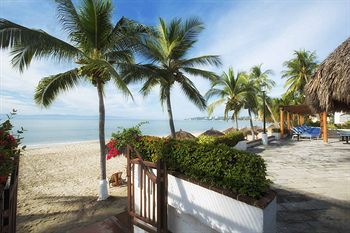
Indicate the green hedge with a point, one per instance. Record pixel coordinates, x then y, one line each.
211 163
229 139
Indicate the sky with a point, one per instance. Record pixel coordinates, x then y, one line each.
243 33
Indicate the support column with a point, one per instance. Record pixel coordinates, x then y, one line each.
321 123
298 118
282 121
325 131
301 119
288 122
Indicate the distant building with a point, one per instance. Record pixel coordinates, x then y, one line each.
341 117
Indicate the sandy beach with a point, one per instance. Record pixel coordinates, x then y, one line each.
58 187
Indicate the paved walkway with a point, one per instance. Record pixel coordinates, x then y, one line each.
312 181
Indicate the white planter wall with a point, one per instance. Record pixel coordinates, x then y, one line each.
193 208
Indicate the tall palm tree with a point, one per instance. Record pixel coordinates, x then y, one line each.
263 83
231 91
251 99
167 50
97 47
298 72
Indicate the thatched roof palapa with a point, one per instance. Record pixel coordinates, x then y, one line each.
183 135
329 88
212 132
229 130
302 109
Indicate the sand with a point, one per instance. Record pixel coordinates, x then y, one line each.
58 188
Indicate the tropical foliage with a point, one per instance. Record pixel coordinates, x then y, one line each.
97 46
167 51
231 91
10 148
298 71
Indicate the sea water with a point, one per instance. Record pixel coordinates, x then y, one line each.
40 130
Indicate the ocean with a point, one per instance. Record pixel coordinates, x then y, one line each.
42 130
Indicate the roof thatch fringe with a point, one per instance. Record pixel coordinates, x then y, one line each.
183 135
329 88
212 132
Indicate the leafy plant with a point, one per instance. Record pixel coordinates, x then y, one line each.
205 139
9 145
127 136
210 163
168 51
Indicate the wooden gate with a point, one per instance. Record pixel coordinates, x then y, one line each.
147 193
8 202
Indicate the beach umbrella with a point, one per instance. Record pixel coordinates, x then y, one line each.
329 88
183 135
212 132
229 130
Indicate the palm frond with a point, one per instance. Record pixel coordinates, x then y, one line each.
95 17
214 105
202 73
49 87
102 69
70 20
192 93
120 56
29 43
202 60
149 85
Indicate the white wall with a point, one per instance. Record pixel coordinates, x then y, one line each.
340 117
192 208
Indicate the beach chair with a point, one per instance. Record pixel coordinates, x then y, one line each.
296 133
116 179
344 135
313 132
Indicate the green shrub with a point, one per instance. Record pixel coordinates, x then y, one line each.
127 136
230 139
205 139
10 148
346 125
211 163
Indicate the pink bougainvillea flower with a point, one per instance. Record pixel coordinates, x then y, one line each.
11 138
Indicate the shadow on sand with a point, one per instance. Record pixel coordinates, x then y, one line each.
67 213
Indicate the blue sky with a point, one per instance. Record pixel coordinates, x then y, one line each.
243 33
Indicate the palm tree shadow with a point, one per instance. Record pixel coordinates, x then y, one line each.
66 213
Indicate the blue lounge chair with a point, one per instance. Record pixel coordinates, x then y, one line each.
314 132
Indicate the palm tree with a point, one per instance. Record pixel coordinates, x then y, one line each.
231 91
264 83
298 72
251 99
167 50
97 47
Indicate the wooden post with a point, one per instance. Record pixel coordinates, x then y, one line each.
298 118
325 131
321 123
301 119
288 122
282 121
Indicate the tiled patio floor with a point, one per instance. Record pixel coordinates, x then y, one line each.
312 181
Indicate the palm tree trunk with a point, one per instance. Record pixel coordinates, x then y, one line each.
272 116
103 194
236 121
251 123
170 115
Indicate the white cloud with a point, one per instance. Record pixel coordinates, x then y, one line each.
268 33
244 34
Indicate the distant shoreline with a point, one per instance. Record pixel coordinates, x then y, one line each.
51 144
